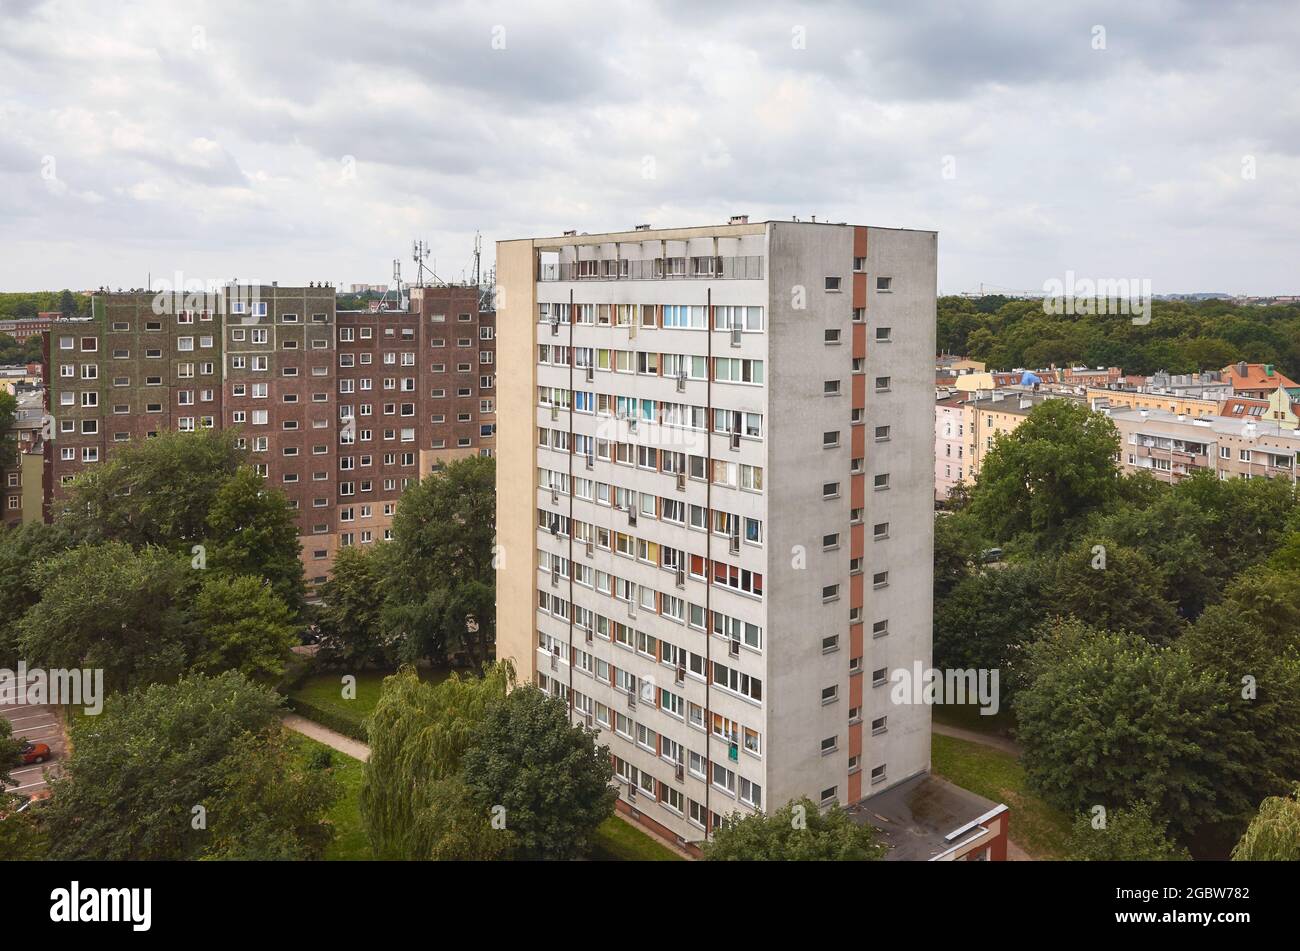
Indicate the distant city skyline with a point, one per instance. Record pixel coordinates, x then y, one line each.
315 144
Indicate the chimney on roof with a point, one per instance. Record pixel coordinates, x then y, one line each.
738 220
1241 368
642 228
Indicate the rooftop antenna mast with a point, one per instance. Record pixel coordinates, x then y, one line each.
395 287
420 254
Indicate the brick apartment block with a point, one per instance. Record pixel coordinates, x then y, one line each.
341 410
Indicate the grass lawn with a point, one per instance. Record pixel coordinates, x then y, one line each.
968 717
351 841
326 690
1036 827
617 840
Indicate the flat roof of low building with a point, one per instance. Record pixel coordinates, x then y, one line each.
925 817
734 228
1216 424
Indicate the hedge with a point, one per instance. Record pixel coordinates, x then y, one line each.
332 719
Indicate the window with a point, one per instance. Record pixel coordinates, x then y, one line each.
884 285
882 433
830 439
830 644
878 774
830 694
883 334
882 384
881 530
830 490
880 579
832 336
830 592
831 387
879 725
879 676
880 628
881 481
833 284
830 745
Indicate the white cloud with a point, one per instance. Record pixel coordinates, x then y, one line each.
214 137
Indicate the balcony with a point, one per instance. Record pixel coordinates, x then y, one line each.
742 268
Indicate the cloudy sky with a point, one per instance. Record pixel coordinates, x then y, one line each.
301 140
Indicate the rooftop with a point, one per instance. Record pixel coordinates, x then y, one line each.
738 225
1215 424
925 817
1255 376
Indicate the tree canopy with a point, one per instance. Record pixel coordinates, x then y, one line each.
193 769
1055 467
797 832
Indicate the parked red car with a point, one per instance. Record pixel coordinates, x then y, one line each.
34 753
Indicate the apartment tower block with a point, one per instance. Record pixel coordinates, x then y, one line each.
340 410
715 504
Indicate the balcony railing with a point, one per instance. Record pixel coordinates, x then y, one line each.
743 268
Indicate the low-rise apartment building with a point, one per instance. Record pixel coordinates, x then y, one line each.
22 476
1170 446
949 445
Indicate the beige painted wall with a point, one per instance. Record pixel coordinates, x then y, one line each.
516 378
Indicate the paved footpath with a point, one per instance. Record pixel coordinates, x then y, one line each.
974 736
331 738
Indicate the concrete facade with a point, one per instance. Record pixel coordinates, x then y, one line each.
715 477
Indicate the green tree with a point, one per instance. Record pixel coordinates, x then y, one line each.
10 746
268 805
22 837
154 491
418 737
1114 588
112 607
141 767
22 549
8 444
1274 834
350 616
1130 834
1109 718
67 304
1251 644
986 620
548 773
957 546
241 624
1056 466
443 536
797 832
252 530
